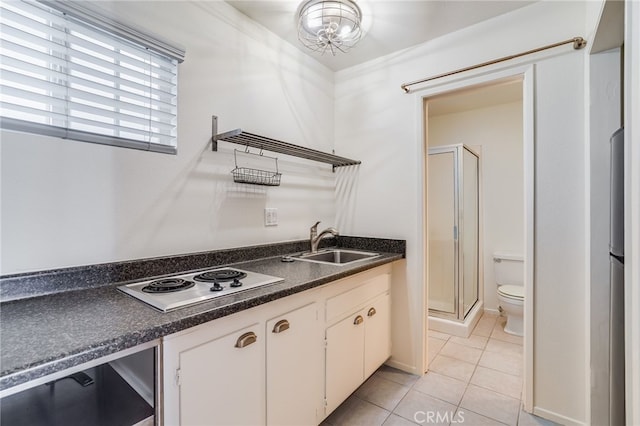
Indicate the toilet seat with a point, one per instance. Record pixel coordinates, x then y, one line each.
514 292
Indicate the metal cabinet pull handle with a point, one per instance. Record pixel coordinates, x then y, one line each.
246 339
371 312
359 320
281 326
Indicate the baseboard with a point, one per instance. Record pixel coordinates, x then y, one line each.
492 311
411 369
555 417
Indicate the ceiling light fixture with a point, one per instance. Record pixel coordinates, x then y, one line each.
333 25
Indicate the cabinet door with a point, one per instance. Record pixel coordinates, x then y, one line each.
222 381
294 367
345 359
377 339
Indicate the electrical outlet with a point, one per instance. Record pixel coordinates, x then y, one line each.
270 217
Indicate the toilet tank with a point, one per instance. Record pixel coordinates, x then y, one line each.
508 269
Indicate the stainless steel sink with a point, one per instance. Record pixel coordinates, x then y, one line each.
336 256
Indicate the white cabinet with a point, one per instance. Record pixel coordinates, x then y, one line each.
360 342
217 380
295 367
268 364
270 371
345 357
377 336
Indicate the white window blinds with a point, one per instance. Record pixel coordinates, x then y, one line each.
65 76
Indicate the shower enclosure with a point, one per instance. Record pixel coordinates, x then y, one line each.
453 222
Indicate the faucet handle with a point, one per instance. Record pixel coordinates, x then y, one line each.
315 227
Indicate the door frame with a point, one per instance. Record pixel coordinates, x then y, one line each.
471 79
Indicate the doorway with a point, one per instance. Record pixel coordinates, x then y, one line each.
464 96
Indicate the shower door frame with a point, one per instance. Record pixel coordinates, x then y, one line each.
459 313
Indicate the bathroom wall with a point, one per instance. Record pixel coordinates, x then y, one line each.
67 203
495 132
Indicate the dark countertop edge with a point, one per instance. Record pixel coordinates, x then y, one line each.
34 284
49 366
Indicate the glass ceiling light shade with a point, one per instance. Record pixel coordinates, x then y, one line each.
333 25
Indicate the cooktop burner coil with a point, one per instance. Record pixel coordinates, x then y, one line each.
222 275
167 285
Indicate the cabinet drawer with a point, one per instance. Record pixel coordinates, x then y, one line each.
351 300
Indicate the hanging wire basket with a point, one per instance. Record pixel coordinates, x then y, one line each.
255 176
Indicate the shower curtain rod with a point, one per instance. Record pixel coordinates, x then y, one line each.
578 43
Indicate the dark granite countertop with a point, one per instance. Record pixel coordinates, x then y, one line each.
46 333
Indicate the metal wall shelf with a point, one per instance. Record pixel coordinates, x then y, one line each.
240 137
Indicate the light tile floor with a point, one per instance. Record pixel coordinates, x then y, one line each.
472 381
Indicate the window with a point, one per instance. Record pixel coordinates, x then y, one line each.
69 72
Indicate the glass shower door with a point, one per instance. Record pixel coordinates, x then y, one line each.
443 292
453 224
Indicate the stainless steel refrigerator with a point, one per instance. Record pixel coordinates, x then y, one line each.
616 258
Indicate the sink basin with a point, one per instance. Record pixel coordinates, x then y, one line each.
336 256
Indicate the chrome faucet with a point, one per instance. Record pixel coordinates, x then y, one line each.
314 238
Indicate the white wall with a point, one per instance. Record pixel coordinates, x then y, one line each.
377 122
560 207
497 131
70 203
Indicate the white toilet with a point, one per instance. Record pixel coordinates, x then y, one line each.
509 275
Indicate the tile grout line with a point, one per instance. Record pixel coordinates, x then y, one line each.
397 403
499 371
468 383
